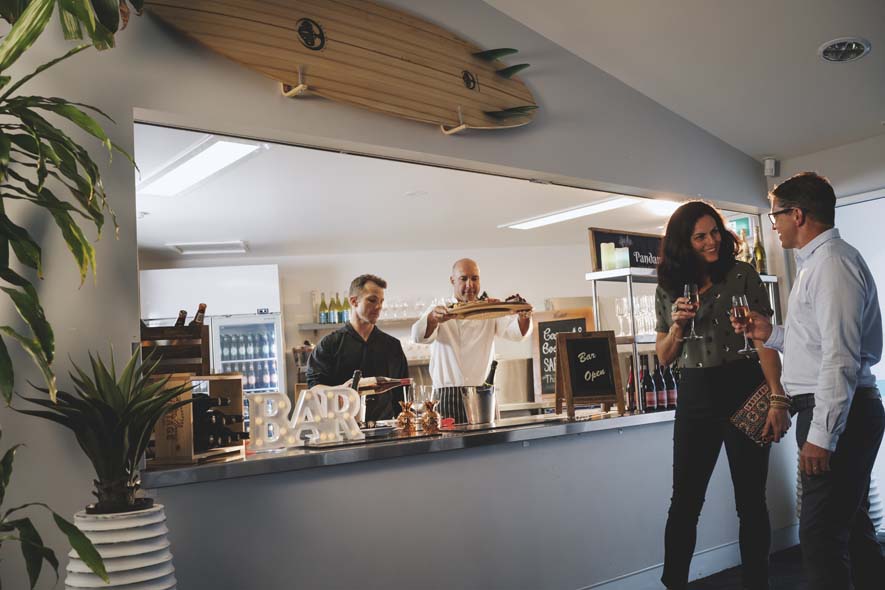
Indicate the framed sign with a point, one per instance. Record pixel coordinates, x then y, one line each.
547 324
587 370
644 249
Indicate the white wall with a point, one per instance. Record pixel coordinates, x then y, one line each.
591 129
854 222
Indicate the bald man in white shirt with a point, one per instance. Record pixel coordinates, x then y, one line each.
462 350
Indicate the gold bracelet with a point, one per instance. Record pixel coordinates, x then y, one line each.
779 405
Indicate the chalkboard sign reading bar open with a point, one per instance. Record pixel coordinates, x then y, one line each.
587 371
547 325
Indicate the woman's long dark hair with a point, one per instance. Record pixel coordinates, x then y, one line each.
679 263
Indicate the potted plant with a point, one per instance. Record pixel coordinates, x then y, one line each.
112 418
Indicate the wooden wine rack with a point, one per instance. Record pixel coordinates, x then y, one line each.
174 433
179 350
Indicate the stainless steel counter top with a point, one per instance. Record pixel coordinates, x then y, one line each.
509 430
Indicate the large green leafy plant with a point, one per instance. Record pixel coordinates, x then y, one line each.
20 529
42 165
113 419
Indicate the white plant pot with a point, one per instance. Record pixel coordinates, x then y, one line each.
133 546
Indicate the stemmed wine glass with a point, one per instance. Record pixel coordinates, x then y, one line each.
690 292
621 311
740 311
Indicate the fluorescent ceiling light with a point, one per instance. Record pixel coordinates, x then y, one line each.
200 165
192 248
568 214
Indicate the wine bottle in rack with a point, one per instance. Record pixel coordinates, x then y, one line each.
630 402
200 315
660 386
648 388
182 316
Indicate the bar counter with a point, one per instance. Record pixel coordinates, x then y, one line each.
508 430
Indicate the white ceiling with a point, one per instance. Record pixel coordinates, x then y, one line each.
286 201
746 71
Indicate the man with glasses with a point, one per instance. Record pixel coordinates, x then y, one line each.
832 336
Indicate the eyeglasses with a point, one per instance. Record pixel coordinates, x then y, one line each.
773 215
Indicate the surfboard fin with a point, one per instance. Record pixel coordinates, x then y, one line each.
511 71
519 111
493 54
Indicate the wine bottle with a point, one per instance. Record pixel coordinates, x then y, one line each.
274 376
672 393
378 385
490 378
241 348
648 388
631 385
324 310
345 307
198 318
203 402
355 381
338 312
759 253
265 376
660 386
182 315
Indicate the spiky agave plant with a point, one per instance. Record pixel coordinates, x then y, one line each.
113 419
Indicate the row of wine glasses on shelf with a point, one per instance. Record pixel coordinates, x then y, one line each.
644 313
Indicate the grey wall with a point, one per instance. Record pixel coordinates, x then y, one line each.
591 129
853 168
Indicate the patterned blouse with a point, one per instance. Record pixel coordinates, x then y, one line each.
720 343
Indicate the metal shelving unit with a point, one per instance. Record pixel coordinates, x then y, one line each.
630 276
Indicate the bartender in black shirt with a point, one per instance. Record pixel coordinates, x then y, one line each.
361 345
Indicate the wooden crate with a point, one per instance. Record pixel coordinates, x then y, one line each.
180 350
174 433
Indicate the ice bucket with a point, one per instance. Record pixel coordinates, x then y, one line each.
479 402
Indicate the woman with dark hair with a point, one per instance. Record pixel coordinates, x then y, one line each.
716 381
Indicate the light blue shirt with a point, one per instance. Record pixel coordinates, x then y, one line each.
833 332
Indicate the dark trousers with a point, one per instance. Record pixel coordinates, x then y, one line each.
707 398
837 537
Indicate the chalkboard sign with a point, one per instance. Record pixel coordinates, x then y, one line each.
547 325
644 248
588 370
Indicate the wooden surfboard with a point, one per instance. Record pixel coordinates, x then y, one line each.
360 53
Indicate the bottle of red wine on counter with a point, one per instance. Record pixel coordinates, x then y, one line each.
182 315
672 393
660 386
198 319
630 402
490 378
377 385
647 385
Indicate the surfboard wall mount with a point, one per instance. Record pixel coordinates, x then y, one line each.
364 54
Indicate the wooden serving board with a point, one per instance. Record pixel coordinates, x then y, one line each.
357 52
487 311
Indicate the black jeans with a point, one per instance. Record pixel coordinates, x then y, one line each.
707 398
835 531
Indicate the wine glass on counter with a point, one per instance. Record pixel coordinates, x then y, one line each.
740 311
690 292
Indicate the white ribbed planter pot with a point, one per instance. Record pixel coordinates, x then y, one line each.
133 546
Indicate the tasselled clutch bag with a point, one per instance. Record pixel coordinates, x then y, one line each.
750 418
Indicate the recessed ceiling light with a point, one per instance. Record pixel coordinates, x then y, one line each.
192 248
844 49
568 214
197 165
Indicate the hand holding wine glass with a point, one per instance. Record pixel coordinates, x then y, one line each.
757 326
740 314
693 297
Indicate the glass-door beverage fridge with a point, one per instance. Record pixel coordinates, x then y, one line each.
253 346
